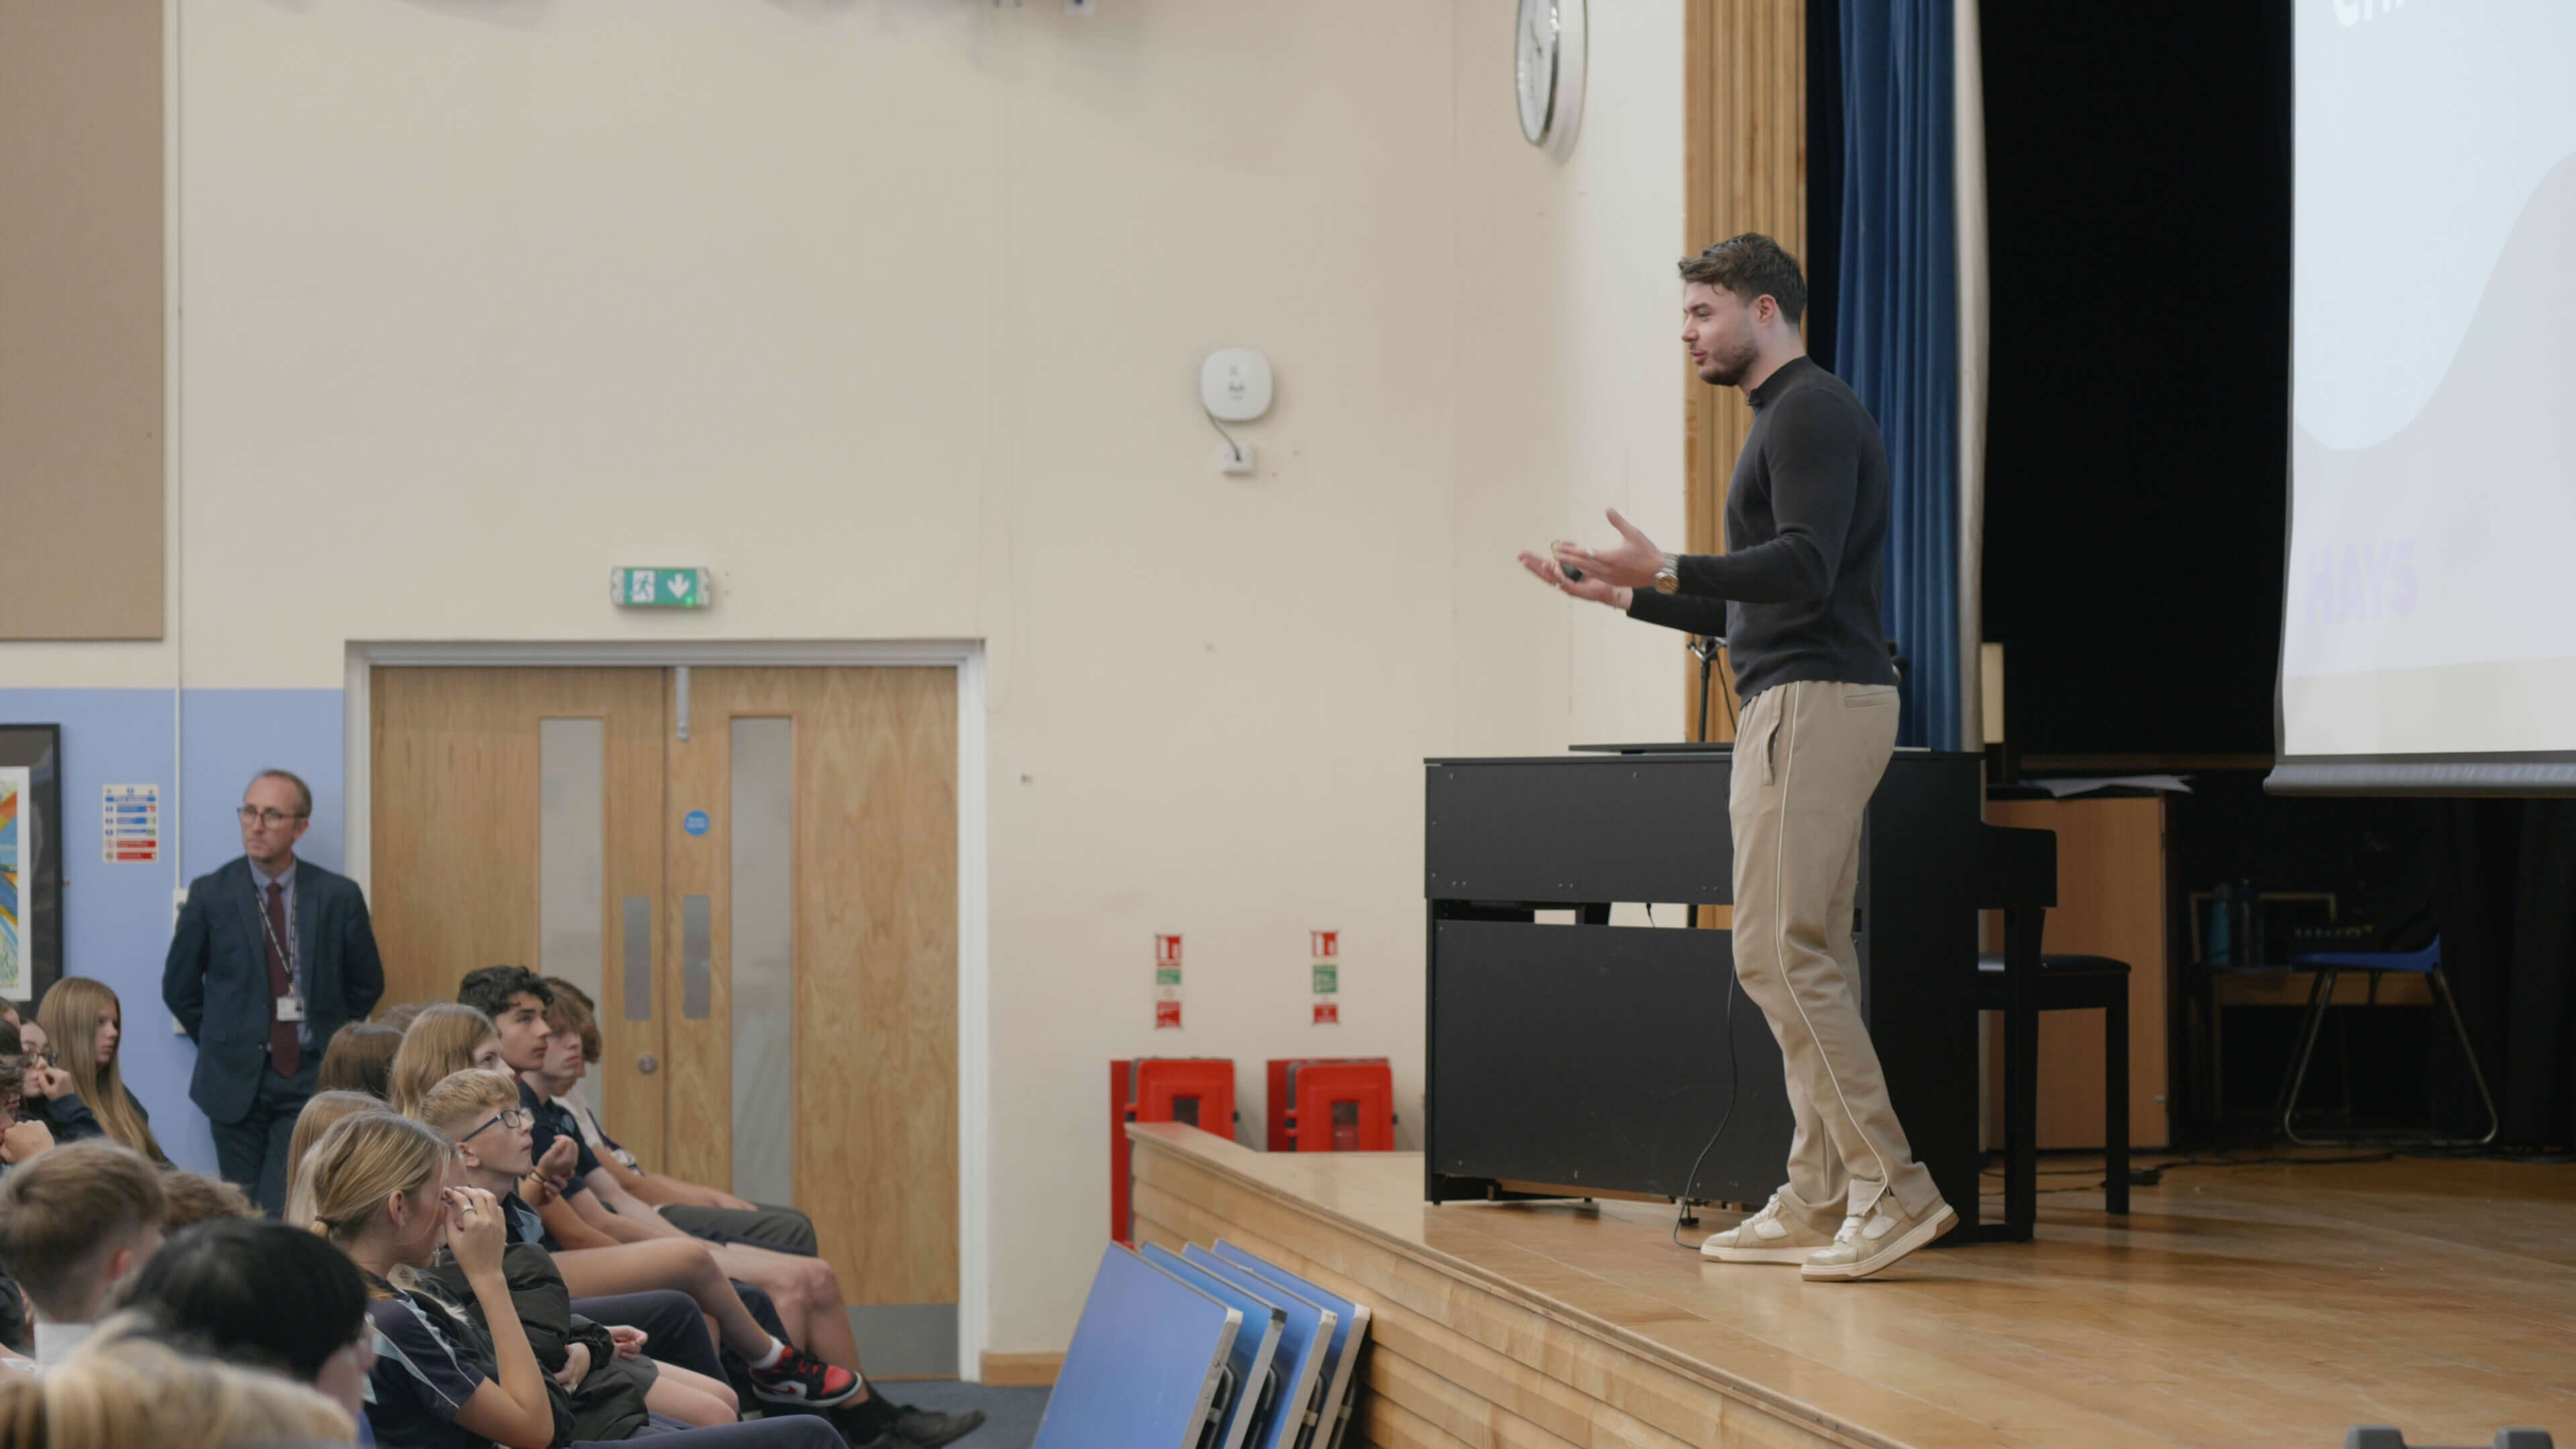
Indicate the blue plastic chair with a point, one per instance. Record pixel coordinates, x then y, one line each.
2329 966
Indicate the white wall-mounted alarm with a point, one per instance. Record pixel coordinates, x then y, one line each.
1235 385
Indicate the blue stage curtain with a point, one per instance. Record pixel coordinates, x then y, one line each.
1896 332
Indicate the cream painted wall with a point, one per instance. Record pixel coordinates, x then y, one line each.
889 311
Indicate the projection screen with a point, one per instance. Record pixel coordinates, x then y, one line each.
2429 632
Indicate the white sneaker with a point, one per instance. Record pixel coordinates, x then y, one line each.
1768 1236
1872 1241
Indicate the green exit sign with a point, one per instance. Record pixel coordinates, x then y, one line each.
660 588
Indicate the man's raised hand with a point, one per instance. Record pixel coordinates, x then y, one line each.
1629 563
1546 571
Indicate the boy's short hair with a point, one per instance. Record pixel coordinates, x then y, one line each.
461 1100
61 1210
572 1011
193 1197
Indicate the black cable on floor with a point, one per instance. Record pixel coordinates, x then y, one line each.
1682 1204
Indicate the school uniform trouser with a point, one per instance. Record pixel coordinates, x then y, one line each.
675 1332
783 1230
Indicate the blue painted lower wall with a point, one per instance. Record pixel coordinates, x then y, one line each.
117 918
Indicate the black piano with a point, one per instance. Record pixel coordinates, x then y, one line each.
1575 1058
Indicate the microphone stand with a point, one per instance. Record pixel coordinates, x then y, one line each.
1704 647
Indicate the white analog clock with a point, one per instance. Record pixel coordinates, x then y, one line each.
1547 70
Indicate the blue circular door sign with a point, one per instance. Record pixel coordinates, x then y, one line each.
695 822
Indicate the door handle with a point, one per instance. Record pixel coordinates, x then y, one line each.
648 1064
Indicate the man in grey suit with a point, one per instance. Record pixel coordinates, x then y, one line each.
272 955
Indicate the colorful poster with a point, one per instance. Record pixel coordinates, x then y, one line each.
131 833
15 861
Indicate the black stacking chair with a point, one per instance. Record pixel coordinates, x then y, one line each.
2019 878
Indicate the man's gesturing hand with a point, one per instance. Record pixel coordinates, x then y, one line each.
1588 587
1629 563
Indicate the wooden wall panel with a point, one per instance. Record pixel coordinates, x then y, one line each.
81 334
1744 156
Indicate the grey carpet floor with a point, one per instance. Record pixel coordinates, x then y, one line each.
1010 1415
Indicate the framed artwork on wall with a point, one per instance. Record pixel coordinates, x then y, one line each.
31 859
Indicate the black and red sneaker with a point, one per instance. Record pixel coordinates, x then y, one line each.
800 1378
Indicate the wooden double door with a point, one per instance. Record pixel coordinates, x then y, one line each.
753 872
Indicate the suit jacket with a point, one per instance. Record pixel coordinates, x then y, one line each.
216 979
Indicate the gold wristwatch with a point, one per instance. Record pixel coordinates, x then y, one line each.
1668 579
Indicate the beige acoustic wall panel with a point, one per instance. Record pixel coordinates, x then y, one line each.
81 334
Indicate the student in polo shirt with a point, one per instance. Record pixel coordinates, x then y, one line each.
375 1185
717 1216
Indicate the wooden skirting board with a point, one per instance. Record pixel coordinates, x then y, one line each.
1021 1370
2263 1304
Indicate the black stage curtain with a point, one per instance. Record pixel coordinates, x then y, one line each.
2507 885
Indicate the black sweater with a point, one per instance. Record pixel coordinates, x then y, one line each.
1806 528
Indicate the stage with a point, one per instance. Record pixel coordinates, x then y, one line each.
2233 1306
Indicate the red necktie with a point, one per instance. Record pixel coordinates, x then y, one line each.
285 1053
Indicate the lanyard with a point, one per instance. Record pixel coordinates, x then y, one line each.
288 949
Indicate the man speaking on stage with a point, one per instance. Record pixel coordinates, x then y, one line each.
1796 595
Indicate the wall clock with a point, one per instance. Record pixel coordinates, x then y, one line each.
1547 70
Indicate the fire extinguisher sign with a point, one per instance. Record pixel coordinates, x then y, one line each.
1167 983
1324 965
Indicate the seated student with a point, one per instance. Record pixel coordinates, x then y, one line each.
193 1198
21 1139
125 1390
262 1295
84 1095
73 1224
444 1040
479 1112
359 1059
703 1211
806 1290
375 1186
321 1111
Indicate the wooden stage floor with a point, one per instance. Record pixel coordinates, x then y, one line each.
2234 1306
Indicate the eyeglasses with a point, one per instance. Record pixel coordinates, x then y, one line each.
254 815
509 1118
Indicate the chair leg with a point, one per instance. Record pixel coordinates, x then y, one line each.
2320 995
2115 1105
2021 1116
2451 1004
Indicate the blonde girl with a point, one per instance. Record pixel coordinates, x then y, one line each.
85 1096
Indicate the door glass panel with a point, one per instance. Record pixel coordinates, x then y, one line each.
763 953
572 849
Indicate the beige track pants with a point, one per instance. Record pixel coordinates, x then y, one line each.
1808 756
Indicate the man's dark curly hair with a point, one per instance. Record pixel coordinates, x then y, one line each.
1752 266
